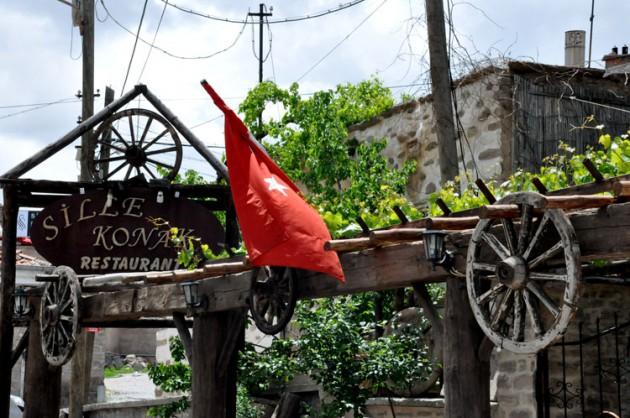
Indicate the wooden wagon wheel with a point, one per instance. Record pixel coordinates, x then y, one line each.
136 140
273 298
59 316
522 293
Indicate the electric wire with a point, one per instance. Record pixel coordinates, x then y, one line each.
157 29
135 44
341 41
72 44
341 7
171 54
254 41
40 106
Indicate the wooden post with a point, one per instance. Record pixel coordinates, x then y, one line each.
216 338
80 376
466 376
42 382
441 90
7 288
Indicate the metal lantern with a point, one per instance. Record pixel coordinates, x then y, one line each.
434 246
191 295
21 307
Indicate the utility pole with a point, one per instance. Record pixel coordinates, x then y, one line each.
104 166
82 359
87 33
261 15
466 375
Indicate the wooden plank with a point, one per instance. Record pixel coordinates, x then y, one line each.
51 149
42 382
19 348
7 288
184 334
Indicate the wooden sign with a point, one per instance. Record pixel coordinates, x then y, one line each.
101 232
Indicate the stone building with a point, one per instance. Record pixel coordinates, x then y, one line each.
509 117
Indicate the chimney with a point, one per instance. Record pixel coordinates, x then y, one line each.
615 59
574 48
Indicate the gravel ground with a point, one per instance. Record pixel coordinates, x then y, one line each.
129 387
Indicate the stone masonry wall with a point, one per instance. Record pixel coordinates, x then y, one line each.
485 111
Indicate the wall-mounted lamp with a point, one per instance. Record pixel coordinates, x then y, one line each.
435 250
192 297
21 308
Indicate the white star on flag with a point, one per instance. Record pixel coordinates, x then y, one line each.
275 185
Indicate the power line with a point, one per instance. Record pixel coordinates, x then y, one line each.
135 44
170 54
342 41
37 107
52 102
157 29
341 7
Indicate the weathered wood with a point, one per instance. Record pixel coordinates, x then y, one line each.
50 150
213 392
196 143
499 211
136 323
452 223
425 302
350 244
209 270
443 206
373 269
463 370
539 186
602 234
485 191
593 170
396 235
42 382
621 189
80 377
19 348
184 334
7 289
572 202
591 188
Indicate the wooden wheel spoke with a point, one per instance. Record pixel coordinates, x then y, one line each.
477 266
556 248
532 313
115 131
145 131
526 224
490 294
161 151
510 235
496 245
110 159
156 139
549 276
108 144
160 163
544 298
116 170
519 320
502 309
146 168
532 243
131 130
128 172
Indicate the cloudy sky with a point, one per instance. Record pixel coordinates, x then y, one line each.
40 56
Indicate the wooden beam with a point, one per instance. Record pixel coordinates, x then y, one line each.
350 244
373 269
396 235
184 334
7 289
602 234
42 382
19 348
81 374
591 188
51 149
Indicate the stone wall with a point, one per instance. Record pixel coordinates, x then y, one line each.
485 110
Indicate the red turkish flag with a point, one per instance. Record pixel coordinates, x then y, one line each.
279 228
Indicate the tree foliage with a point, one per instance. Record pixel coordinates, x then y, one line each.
310 142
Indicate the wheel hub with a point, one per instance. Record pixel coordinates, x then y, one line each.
135 155
512 272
